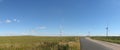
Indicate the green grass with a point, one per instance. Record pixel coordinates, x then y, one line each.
112 39
39 43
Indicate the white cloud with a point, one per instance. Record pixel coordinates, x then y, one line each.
42 27
15 20
8 21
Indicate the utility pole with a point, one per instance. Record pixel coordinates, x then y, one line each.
107 28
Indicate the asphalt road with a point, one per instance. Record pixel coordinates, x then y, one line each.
90 45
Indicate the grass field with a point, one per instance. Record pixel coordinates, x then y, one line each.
39 43
112 39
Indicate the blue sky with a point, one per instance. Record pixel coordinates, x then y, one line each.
44 17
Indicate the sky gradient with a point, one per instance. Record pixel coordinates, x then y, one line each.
44 17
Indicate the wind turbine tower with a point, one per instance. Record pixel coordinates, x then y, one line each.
107 29
88 33
61 30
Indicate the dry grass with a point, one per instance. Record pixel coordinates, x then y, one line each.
39 43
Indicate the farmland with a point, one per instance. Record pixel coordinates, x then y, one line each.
39 43
113 39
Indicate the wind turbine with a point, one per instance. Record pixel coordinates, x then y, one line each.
61 30
61 27
107 29
88 33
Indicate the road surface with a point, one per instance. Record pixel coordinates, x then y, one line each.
90 45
